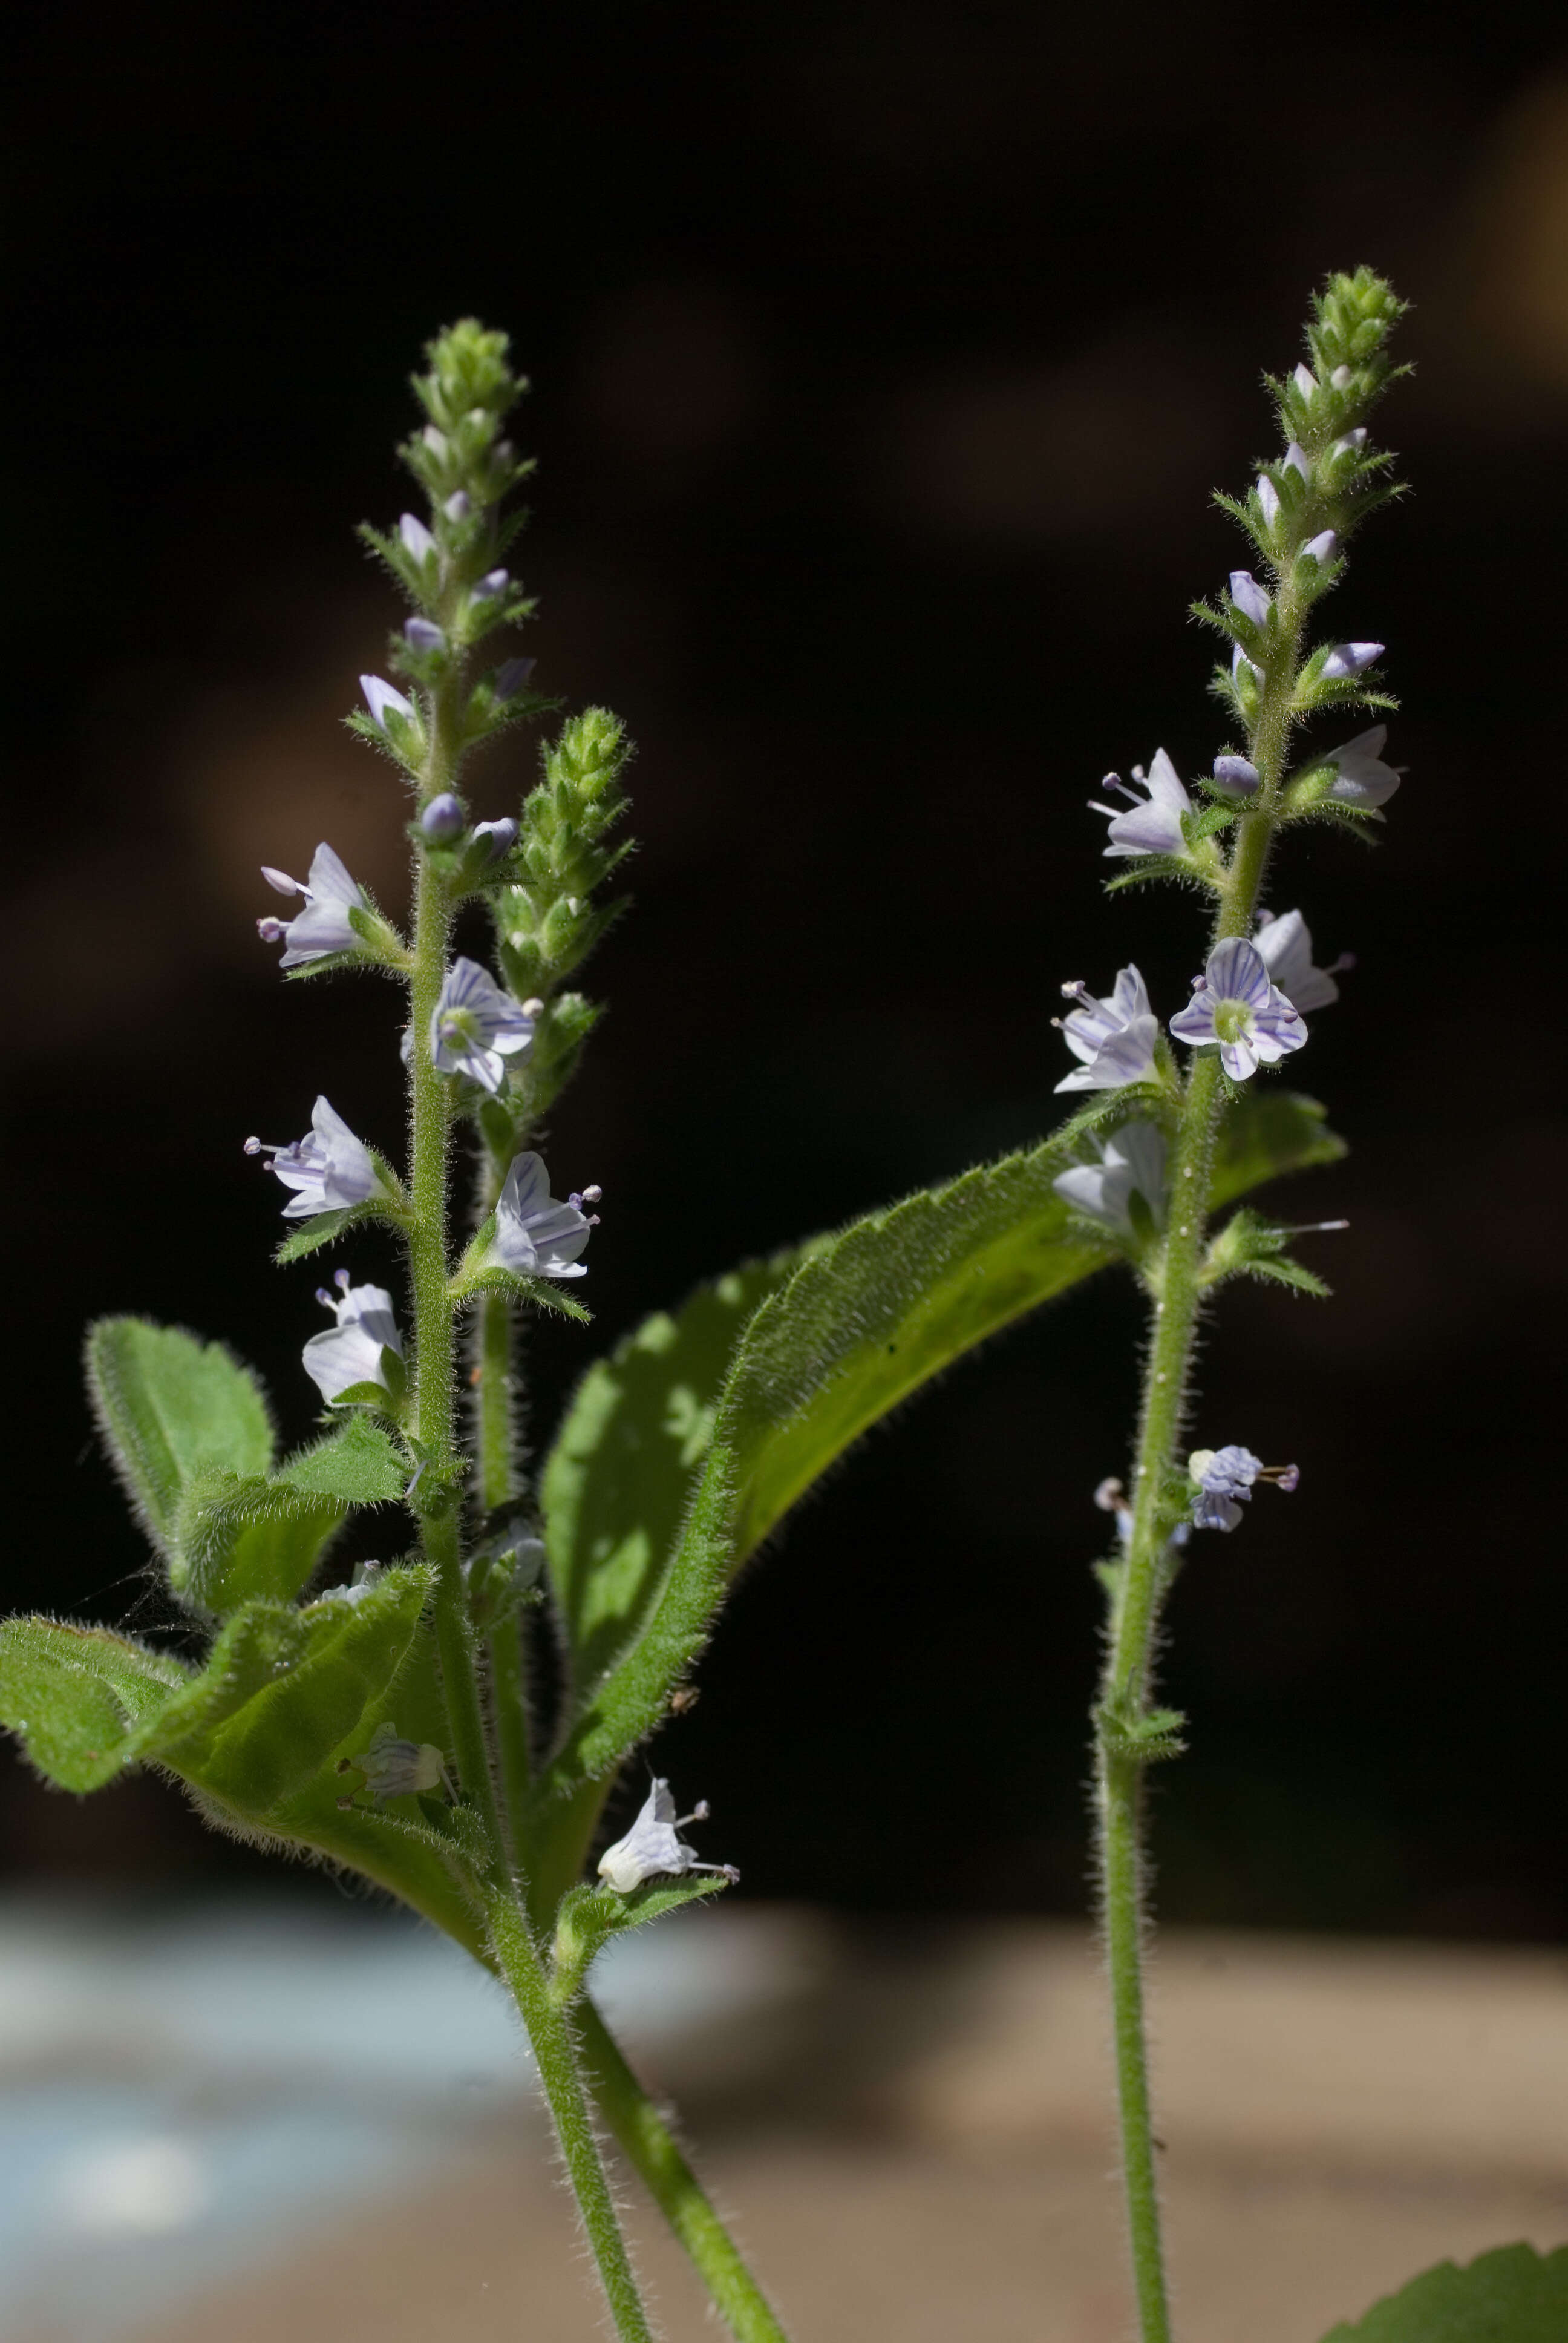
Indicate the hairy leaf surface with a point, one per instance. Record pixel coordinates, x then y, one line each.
76 1697
168 1403
1513 2295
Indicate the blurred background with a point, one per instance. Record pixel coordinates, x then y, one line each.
885 356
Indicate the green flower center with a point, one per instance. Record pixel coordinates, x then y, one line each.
1230 1020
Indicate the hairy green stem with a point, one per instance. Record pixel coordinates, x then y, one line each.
518 1961
1126 1684
651 2147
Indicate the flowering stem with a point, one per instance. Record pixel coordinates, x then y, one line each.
518 1961
1126 1682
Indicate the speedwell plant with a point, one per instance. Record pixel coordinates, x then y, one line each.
390 1724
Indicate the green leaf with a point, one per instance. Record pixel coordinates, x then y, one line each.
237 1540
356 1462
167 1404
282 1692
587 1917
866 1318
544 1293
321 1229
1267 1132
618 1479
1512 2295
77 1696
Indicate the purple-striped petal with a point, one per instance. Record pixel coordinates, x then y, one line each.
1236 972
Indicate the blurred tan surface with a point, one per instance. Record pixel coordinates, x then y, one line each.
912 2142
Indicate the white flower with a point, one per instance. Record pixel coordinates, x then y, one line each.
536 1235
475 1025
1362 778
653 1846
1268 497
329 1168
1286 945
1152 822
1322 546
1306 382
1133 1158
1115 1037
1234 1003
351 1352
324 926
380 698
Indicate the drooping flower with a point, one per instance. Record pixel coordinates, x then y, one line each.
536 1235
381 699
1234 1003
653 1846
329 1168
1362 778
1152 822
1115 1037
395 1768
475 1026
1347 659
324 925
1223 1480
351 1352
1286 945
1133 1158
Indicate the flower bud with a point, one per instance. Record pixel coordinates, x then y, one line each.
443 818
424 635
1236 777
501 836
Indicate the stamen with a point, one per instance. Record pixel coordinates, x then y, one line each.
271 932
341 1280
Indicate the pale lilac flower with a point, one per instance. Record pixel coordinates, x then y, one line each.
1321 547
456 507
1152 822
475 1025
1296 456
324 925
1341 377
418 542
1286 945
1223 1480
1115 1037
1362 778
443 818
382 700
1234 1003
395 1768
1268 497
1349 659
510 677
351 1352
494 582
1306 381
424 635
1356 439
536 1235
435 441
653 1846
329 1168
1249 598
1236 777
499 836
1133 1158
1239 660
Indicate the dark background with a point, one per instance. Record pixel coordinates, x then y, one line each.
885 357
